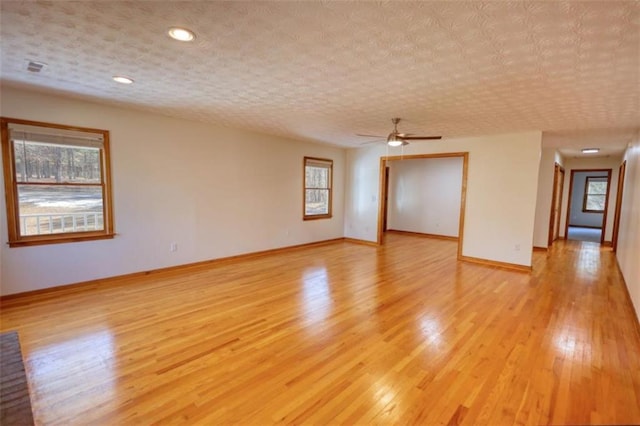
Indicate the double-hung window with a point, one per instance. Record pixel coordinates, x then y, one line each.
57 182
595 193
318 178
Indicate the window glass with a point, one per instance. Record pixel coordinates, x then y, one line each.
46 209
595 194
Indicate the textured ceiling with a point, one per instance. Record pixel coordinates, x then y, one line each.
324 71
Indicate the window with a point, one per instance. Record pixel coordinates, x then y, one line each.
57 182
595 193
318 179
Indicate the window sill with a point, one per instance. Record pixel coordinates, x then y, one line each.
66 238
323 216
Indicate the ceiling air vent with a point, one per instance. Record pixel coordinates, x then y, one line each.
34 66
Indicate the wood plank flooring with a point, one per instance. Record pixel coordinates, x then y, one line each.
340 334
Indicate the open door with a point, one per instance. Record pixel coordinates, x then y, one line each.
556 203
616 217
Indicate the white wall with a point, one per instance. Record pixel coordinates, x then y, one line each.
628 252
612 163
424 195
215 191
501 192
576 216
548 160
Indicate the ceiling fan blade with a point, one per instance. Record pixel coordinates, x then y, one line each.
375 141
370 136
421 138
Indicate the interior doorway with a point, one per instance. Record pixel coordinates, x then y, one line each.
587 205
556 203
383 205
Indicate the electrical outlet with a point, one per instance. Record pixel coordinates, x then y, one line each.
173 247
517 247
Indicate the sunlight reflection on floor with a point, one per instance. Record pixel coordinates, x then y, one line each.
67 360
316 297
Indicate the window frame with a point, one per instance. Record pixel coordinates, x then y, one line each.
587 194
11 189
328 215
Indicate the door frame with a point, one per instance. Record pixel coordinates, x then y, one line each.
383 188
616 218
606 201
554 217
385 218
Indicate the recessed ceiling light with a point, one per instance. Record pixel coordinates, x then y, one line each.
181 34
122 79
590 150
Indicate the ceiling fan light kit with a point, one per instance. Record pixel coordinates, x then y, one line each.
395 141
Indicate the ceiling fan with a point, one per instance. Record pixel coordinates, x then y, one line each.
396 138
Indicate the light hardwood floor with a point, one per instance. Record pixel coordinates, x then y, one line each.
340 333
